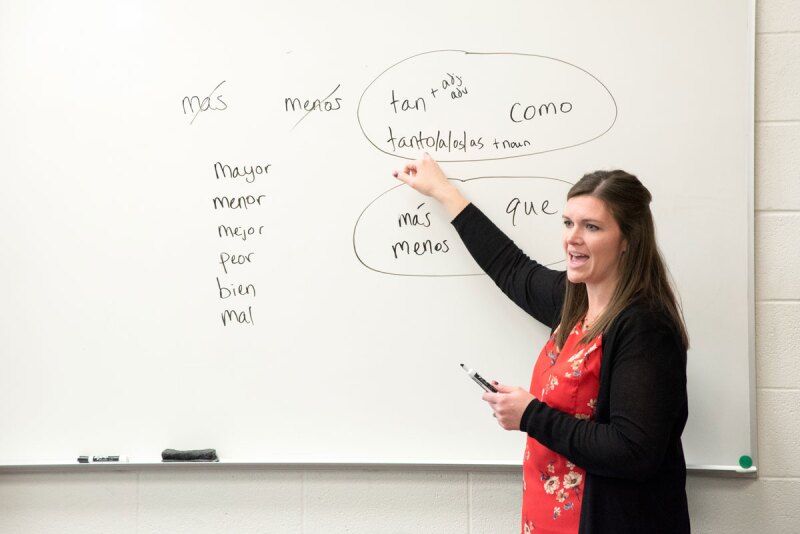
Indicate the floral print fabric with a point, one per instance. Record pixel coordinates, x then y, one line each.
552 486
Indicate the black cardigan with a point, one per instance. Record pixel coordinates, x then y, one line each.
631 450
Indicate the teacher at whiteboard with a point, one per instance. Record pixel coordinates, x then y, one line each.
607 402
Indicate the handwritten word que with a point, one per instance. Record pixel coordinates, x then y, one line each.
517 206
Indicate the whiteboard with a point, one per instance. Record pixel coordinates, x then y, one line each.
203 245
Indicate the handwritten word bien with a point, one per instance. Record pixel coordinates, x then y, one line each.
235 203
240 232
448 141
238 317
409 219
420 248
236 290
249 173
528 208
530 112
196 105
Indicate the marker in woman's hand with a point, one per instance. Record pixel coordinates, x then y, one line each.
479 379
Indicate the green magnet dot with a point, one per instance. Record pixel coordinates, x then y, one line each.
745 462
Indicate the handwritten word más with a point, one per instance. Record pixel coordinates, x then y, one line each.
447 141
414 219
249 173
195 105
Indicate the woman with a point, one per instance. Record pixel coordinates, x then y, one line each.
607 402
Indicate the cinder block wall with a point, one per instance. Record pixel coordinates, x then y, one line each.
392 501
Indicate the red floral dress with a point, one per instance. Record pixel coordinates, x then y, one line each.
552 486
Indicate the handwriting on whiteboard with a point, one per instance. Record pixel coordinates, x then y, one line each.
194 105
234 284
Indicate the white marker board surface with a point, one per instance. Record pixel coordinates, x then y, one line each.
203 245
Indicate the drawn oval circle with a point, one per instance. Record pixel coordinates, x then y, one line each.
404 233
468 106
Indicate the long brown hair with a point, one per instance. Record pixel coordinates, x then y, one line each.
642 272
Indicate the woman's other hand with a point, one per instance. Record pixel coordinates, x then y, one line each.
508 405
425 175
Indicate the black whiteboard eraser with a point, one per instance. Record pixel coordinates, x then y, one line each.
199 455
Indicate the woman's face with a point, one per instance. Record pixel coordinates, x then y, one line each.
593 243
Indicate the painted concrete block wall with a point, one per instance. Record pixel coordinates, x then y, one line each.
447 501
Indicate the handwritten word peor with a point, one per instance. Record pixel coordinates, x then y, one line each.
226 259
241 232
420 248
249 173
236 290
238 317
530 112
407 219
407 105
314 105
195 105
439 142
235 203
528 208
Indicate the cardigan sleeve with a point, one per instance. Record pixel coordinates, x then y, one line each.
646 405
532 286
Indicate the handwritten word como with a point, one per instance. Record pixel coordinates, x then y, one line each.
249 173
517 114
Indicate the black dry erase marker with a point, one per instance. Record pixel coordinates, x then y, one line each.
101 459
479 379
